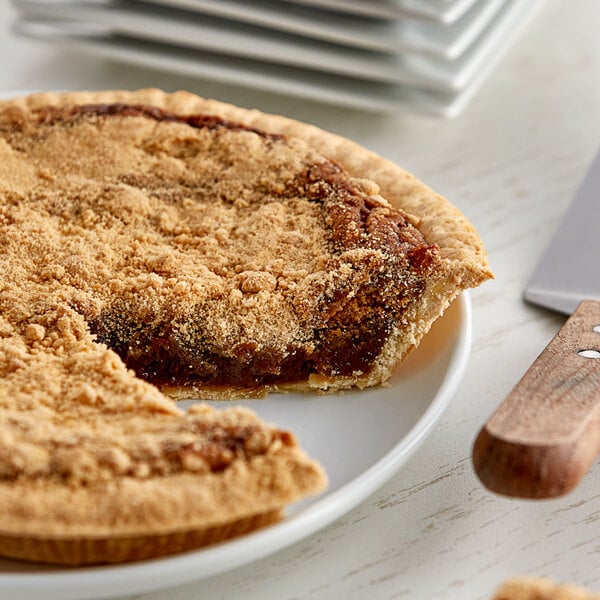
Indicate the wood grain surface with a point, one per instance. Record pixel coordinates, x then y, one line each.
512 162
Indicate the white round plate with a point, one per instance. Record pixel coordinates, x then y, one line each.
361 438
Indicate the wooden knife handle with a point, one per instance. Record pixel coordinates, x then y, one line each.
546 434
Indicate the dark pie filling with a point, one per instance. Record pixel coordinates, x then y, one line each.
162 359
353 329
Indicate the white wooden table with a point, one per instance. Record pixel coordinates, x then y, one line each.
512 163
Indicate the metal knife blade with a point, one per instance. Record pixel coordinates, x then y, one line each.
569 271
543 438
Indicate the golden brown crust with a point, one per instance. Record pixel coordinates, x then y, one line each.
85 551
537 588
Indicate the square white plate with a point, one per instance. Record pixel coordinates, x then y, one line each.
400 35
403 35
287 80
235 39
445 11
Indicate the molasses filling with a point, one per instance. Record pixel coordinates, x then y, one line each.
205 253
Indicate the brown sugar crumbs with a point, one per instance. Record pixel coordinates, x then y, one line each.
199 253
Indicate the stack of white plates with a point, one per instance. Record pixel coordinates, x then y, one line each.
377 55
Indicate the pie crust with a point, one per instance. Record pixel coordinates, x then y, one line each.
101 240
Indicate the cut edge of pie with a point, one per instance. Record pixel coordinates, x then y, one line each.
462 260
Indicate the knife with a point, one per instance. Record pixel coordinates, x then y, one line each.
545 436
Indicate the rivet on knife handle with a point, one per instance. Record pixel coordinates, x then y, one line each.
546 434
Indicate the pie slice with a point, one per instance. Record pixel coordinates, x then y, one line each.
155 241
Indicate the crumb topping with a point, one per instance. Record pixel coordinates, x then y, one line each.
193 251
82 448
